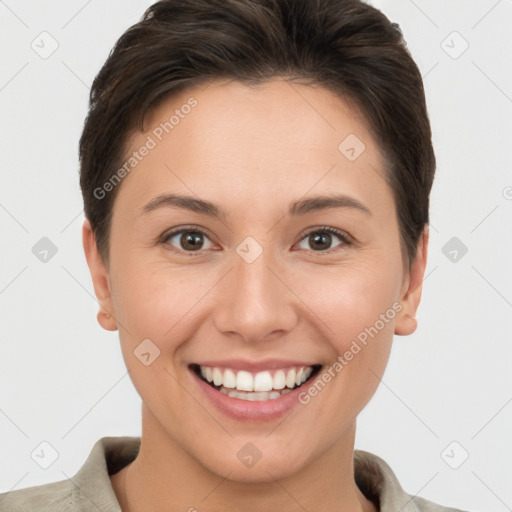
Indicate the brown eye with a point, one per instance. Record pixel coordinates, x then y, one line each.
187 240
321 239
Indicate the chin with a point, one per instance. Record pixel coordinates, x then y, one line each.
246 465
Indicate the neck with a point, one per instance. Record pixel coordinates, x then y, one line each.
164 477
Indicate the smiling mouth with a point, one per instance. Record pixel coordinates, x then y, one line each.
256 387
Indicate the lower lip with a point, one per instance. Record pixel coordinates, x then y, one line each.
264 410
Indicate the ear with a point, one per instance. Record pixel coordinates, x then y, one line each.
100 278
411 292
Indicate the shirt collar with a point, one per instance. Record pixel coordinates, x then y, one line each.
377 481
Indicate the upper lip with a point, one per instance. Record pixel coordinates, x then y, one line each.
255 366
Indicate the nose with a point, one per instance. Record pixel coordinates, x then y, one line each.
254 302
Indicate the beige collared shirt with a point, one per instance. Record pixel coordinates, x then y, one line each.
90 489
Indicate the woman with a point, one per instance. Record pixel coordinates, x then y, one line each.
256 178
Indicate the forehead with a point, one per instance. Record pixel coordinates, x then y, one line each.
285 135
229 111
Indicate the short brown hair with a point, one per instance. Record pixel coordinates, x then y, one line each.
346 46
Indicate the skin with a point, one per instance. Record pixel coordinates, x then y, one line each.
253 151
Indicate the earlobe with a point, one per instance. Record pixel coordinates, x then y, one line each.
405 325
106 320
100 278
406 322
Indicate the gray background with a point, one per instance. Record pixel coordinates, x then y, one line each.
446 393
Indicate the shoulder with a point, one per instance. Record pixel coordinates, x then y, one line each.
378 482
89 489
423 505
56 496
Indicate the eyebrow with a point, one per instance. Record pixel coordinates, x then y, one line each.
297 208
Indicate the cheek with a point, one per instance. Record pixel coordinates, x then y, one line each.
153 299
358 308
157 301
150 304
354 298
154 303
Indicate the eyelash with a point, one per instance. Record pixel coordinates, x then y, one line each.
345 239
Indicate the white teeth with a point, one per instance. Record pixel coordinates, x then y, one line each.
261 386
255 396
290 379
229 379
279 381
204 372
263 381
258 396
244 381
303 375
217 377
298 377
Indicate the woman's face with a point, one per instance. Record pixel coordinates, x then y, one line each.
255 283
